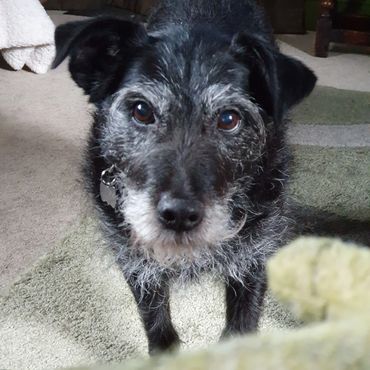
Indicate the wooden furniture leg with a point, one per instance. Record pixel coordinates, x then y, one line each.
324 28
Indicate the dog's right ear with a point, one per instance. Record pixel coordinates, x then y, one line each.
100 51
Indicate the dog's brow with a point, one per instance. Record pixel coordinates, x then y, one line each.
155 92
217 96
214 97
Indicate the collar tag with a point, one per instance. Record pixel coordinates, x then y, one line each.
108 191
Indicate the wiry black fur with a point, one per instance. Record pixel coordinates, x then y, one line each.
188 47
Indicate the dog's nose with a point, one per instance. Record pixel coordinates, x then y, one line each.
180 214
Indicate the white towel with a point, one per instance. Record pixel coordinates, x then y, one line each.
26 35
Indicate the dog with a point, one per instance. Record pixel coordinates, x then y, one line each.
187 161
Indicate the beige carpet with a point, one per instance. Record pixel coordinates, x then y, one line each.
43 124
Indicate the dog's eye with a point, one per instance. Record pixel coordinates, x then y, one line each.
228 120
143 113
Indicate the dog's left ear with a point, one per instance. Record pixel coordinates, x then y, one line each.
277 81
100 51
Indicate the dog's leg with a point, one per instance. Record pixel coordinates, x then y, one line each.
154 309
244 304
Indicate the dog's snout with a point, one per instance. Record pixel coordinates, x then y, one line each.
180 214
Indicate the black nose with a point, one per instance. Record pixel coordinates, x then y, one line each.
179 214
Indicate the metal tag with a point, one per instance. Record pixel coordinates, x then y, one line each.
108 189
108 194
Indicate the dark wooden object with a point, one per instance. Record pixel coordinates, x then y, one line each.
137 6
73 4
340 28
286 16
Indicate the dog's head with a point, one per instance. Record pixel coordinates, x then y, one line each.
187 117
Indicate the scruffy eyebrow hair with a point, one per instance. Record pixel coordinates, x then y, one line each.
213 97
155 92
221 95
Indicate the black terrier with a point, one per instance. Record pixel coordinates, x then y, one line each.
187 160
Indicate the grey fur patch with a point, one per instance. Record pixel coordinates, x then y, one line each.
154 255
219 96
156 93
167 247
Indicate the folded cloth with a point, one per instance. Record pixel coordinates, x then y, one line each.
26 35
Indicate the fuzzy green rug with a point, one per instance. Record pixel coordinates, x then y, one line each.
333 106
75 308
331 189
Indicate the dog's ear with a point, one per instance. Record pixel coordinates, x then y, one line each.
277 81
100 51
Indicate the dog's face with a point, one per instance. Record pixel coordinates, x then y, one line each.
186 118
